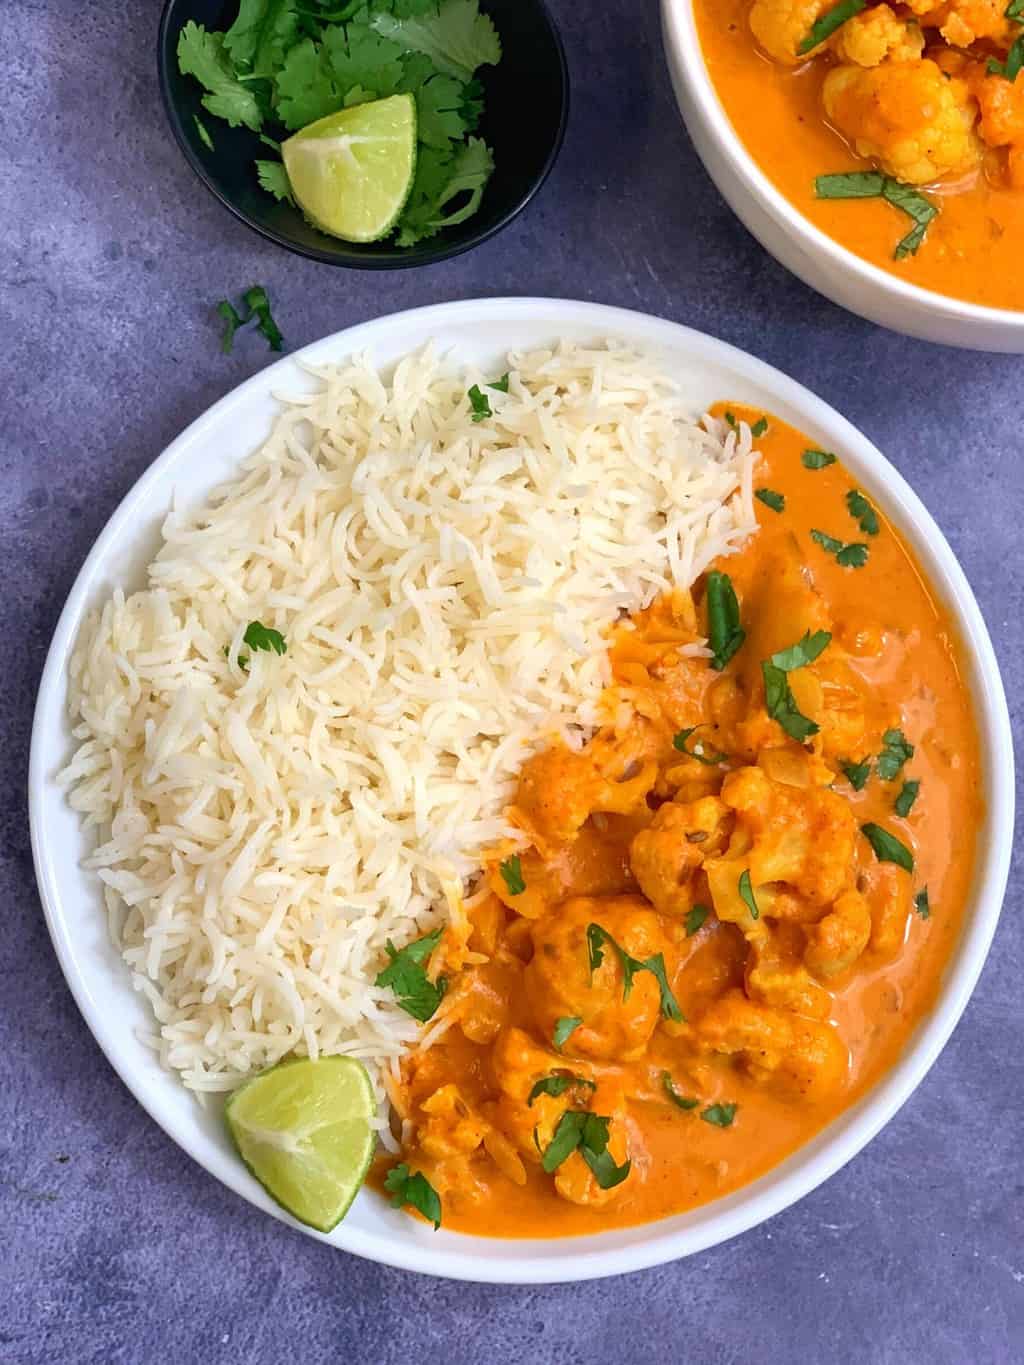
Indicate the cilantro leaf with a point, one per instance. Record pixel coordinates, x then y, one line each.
439 120
857 773
710 760
202 55
680 1101
564 1140
830 22
406 977
817 459
1011 68
896 751
921 903
512 874
261 35
304 88
414 1190
440 178
274 179
500 385
804 652
759 427
564 1027
598 937
695 918
725 634
456 37
557 1084
579 1129
478 402
829 544
204 135
888 849
776 501
747 894
259 636
720 1115
359 57
259 305
781 704
232 322
862 512
852 556
908 795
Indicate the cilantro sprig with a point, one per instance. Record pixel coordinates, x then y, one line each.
579 1130
778 695
598 938
256 305
414 1189
725 634
875 185
406 976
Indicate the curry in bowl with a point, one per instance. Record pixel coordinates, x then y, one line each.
897 130
729 909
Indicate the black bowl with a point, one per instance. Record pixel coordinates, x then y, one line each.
527 104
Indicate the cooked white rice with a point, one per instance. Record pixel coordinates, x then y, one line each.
442 585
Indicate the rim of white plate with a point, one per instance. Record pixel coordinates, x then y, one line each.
376 1232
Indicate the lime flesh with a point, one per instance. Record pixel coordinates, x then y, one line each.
352 171
304 1130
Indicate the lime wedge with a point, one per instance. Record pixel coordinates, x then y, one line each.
303 1129
352 171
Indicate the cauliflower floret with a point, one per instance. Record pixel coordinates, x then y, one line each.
962 22
837 940
916 123
450 1127
780 26
560 983
665 856
777 976
871 37
1002 109
560 789
889 896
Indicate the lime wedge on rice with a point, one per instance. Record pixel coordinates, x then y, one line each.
304 1130
352 171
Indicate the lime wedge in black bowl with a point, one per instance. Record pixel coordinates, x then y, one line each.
525 110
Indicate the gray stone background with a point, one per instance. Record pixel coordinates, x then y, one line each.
115 1246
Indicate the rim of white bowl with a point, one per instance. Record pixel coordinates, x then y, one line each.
680 26
507 1261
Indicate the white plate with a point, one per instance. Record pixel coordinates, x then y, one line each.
481 332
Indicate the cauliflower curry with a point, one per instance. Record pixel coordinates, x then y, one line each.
727 911
896 129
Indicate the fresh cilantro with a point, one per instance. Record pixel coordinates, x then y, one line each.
557 1084
1011 68
908 795
888 849
862 512
478 402
414 1190
500 385
680 1101
832 20
259 636
719 1115
852 556
1015 10
262 34
441 179
725 633
304 88
759 428
776 501
259 307
747 894
828 543
512 875
204 135
710 760
405 975
817 459
439 118
695 918
598 937
564 1027
456 36
232 322
730 420
874 185
857 773
274 179
358 57
921 903
808 648
202 55
897 750
580 1130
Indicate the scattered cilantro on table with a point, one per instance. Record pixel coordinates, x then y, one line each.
284 64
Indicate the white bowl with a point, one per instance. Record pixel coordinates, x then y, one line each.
482 331
791 238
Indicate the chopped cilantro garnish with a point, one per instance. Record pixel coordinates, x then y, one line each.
731 420
204 135
779 700
874 185
832 20
598 937
709 759
478 402
908 795
857 773
720 1115
888 849
405 975
896 752
1015 10
747 894
259 636
1011 68
862 512
724 630
776 501
232 322
512 875
680 1101
414 1190
500 385
579 1130
257 306
808 648
557 1084
759 428
695 918
564 1027
817 459
921 903
852 556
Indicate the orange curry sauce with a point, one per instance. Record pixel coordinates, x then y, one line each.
789 1017
973 246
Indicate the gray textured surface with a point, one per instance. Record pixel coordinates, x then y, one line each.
116 1247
